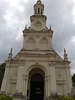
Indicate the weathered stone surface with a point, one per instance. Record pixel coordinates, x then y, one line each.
37 57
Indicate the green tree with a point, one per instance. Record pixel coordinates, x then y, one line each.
63 97
2 69
5 97
73 77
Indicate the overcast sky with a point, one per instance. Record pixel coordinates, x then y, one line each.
15 14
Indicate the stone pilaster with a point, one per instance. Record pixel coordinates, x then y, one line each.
25 82
24 40
50 43
47 86
53 80
5 79
19 96
19 86
69 81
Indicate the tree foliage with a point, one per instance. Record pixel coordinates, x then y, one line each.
2 69
63 97
5 97
73 77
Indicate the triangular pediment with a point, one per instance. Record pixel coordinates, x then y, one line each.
58 58
52 53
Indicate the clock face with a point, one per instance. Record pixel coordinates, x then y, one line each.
37 24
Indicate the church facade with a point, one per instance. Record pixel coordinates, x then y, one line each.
37 71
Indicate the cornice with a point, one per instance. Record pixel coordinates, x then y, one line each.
44 31
35 16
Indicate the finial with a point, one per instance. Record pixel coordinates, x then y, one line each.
50 27
39 1
25 26
10 55
11 51
65 55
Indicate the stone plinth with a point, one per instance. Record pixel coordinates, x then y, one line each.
2 92
54 97
19 96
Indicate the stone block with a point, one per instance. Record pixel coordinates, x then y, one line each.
54 97
19 96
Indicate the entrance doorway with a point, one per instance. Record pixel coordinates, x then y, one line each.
37 87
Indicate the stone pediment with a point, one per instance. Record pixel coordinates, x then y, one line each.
58 58
16 57
37 53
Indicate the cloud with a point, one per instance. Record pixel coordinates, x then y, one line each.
15 14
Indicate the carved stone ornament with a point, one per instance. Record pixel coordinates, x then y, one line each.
52 63
38 24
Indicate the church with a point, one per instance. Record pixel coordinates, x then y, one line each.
37 71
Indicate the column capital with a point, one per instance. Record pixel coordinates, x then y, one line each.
25 77
47 77
52 64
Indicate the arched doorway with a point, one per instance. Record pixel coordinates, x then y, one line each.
36 84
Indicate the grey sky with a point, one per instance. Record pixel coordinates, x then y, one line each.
15 14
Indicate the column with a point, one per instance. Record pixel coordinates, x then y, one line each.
29 87
69 81
25 83
24 43
5 79
19 86
47 86
50 43
53 80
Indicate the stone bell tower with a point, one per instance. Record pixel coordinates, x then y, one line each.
38 20
39 34
37 72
